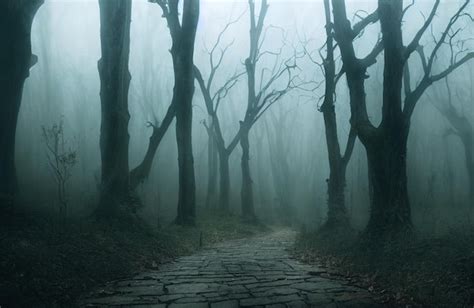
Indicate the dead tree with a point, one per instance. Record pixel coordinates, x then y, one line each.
260 96
61 159
183 35
280 165
462 128
338 161
212 100
115 19
16 59
386 145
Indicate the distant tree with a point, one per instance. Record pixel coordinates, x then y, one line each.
62 157
280 163
16 59
183 35
386 145
115 19
461 127
260 96
212 99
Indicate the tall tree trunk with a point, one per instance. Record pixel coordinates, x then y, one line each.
16 59
390 208
248 211
183 52
115 18
212 169
224 184
468 143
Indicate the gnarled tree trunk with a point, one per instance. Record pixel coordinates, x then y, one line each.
16 59
115 18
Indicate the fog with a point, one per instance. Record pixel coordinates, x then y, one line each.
65 84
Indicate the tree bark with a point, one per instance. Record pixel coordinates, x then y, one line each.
115 19
248 211
211 169
182 52
16 59
224 184
390 210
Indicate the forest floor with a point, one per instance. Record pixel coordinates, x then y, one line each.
48 263
424 272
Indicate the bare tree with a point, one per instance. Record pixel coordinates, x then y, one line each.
61 159
461 127
115 19
183 35
280 165
212 100
386 145
16 59
336 215
260 96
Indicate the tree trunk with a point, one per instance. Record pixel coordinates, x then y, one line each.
248 211
212 170
468 143
224 177
115 18
16 60
139 174
390 208
183 52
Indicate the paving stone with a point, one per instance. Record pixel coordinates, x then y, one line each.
225 304
254 272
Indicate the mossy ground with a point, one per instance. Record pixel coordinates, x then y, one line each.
48 263
417 271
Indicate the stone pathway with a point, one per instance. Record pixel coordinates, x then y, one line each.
255 272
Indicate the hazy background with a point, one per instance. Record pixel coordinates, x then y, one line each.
65 83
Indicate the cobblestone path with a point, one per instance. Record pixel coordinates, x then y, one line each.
255 272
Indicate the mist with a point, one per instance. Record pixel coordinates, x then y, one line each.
290 181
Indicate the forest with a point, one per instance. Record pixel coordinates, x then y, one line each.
236 153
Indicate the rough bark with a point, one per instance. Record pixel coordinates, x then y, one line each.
16 59
336 214
248 208
212 164
115 18
182 53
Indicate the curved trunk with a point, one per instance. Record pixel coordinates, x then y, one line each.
140 173
115 19
248 211
16 59
224 185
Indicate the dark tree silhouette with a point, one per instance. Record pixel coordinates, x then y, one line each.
115 19
386 145
461 127
259 99
183 35
336 215
212 100
16 59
